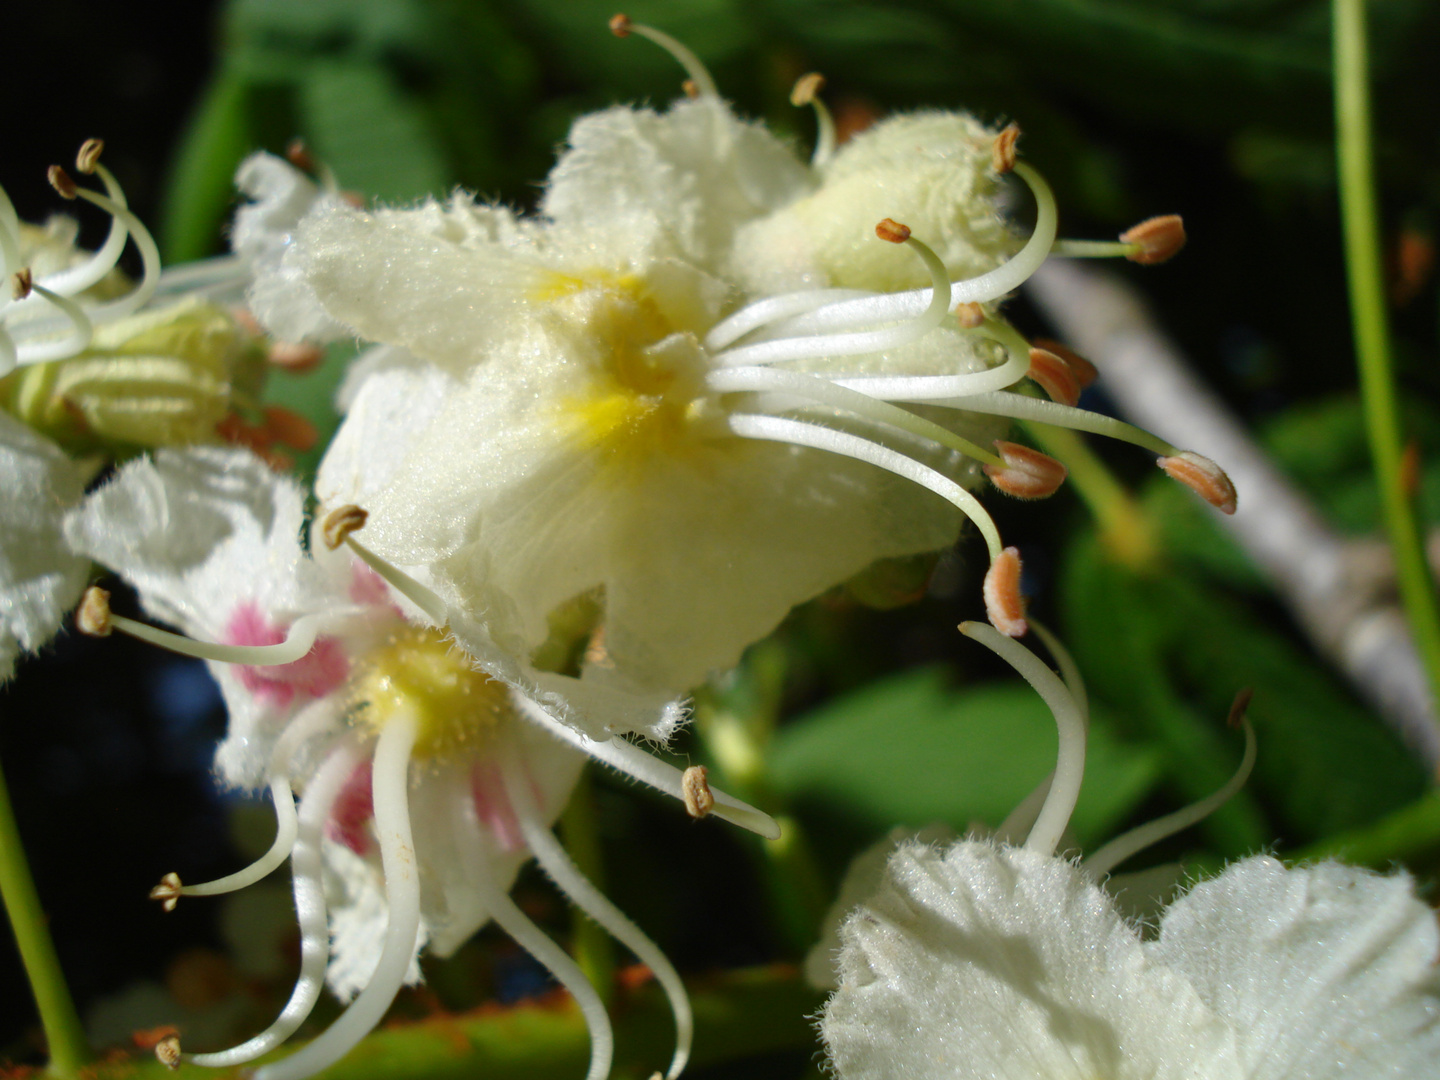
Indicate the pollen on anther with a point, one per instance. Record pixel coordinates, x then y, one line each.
167 892
620 25
807 87
341 523
61 181
89 155
1002 151
970 315
695 789
1004 605
92 617
21 282
893 231
167 1051
1156 239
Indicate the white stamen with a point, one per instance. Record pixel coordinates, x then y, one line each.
773 309
207 276
78 278
1024 407
78 339
1070 762
298 642
939 388
704 84
634 762
556 862
1092 249
798 433
402 582
807 92
149 259
1130 843
390 781
306 865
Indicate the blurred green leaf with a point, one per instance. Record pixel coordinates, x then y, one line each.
911 750
199 188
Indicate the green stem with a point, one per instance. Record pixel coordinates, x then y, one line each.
69 1051
594 951
1372 332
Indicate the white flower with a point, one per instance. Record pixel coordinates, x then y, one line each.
986 961
429 775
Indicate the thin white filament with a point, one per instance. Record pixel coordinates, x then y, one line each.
555 960
390 781
298 642
1138 839
306 865
402 582
773 309
203 276
699 75
814 346
798 433
926 388
149 260
77 341
313 719
76 279
1093 249
624 756
992 285
818 388
556 861
1070 761
1022 819
825 138
1024 407
9 235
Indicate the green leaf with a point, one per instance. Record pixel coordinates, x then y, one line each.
200 189
910 750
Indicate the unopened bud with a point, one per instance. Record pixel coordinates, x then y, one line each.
289 428
167 1051
21 282
1003 604
1157 238
1239 707
341 523
1054 376
1027 473
167 892
1202 476
89 155
60 180
294 357
807 88
1085 372
1002 151
695 789
92 617
620 25
298 154
969 315
892 231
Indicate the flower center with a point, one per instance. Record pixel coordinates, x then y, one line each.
458 710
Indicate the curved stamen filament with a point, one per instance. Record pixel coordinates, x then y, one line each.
1138 839
390 781
81 331
402 582
1024 407
78 278
298 642
798 433
816 388
773 309
9 236
1070 761
863 341
807 92
149 258
936 388
1093 249
306 864
621 25
626 757
556 862
980 289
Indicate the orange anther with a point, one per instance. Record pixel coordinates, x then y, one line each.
1202 476
295 358
620 25
289 428
1158 238
969 315
1054 376
1085 372
1027 473
1002 152
1003 603
892 231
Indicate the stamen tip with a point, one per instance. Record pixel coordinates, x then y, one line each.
695 789
21 282
167 1051
691 89
1054 376
167 892
89 155
970 316
1239 707
298 154
1202 476
1002 151
807 88
62 182
92 617
1156 239
1027 473
893 231
295 358
620 25
341 523
1004 605
1084 371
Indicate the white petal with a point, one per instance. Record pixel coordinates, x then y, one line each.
1324 972
355 893
990 962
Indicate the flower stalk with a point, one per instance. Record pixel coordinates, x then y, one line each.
1371 330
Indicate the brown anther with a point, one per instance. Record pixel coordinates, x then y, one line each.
167 1051
807 88
1085 372
1158 239
1239 707
341 523
1410 468
92 617
1054 376
1002 151
289 428
353 199
167 892
691 89
1027 473
298 154
89 155
695 789
893 231
295 357
1004 605
620 25
970 315
60 180
1202 476
21 282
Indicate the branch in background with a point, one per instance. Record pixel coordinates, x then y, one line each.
1339 590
